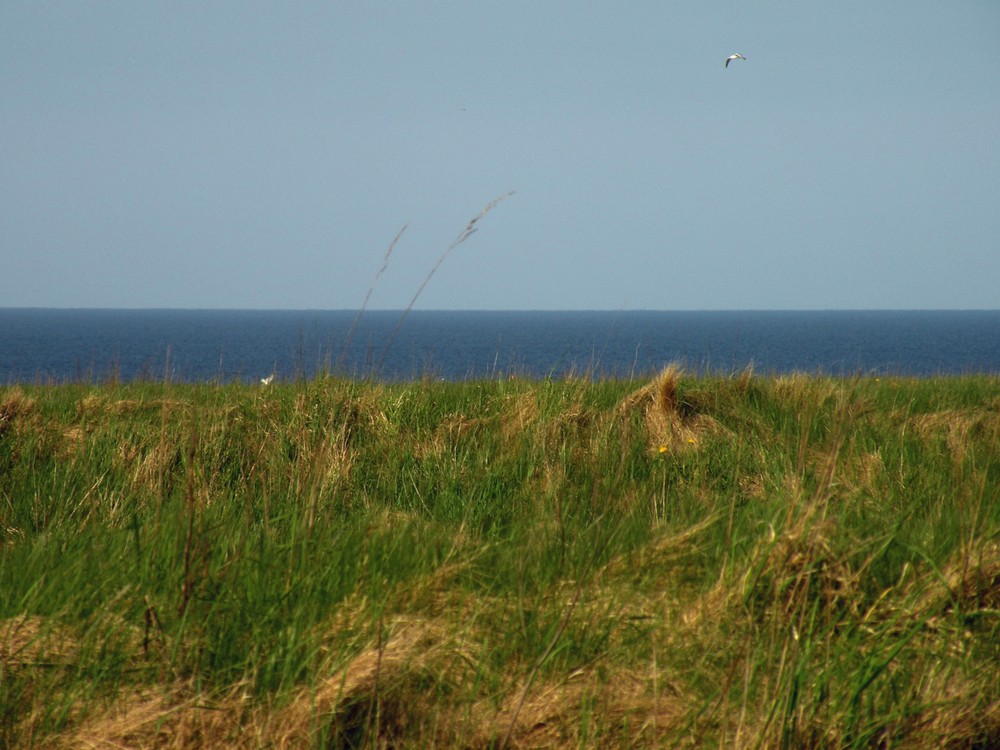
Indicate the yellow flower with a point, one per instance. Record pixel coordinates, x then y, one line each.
663 449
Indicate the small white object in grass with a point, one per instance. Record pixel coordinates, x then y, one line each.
736 56
267 380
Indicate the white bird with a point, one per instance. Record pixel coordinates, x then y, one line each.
267 380
737 56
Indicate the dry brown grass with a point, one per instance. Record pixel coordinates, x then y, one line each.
379 697
667 552
631 710
866 474
378 691
454 429
802 392
956 428
519 413
955 714
796 570
969 582
34 641
14 403
17 407
672 425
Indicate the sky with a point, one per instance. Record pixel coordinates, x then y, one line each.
261 155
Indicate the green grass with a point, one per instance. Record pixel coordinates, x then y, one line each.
739 561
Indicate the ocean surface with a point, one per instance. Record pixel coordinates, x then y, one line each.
87 345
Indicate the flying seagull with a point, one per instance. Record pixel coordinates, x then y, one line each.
737 56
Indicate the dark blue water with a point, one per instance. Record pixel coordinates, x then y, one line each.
49 345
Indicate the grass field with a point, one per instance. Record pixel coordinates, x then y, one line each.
738 561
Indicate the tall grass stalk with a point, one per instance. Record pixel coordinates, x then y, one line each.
364 304
470 228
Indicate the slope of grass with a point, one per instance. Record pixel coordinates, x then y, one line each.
736 561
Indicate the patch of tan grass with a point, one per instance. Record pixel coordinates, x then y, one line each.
672 425
667 552
74 437
552 479
869 472
974 578
90 405
28 641
380 691
149 466
453 430
797 570
954 712
414 686
744 379
15 403
573 420
969 583
520 412
752 486
627 709
803 392
166 717
956 427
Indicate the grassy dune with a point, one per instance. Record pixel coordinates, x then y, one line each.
685 562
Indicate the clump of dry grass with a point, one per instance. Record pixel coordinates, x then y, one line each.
630 710
672 424
968 583
519 412
15 402
802 392
379 691
974 578
164 717
15 405
27 641
379 698
377 695
456 428
865 474
798 571
956 713
957 428
34 653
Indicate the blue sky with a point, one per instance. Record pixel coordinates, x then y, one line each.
264 155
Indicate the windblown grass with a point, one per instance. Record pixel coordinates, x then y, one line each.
717 561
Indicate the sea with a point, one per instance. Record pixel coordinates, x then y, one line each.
41 345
